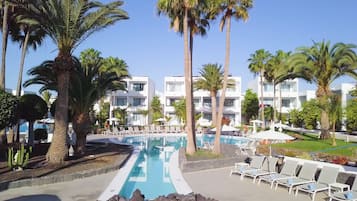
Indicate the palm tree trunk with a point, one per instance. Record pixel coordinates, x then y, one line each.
333 133
4 45
274 101
281 102
190 149
262 116
191 89
19 79
3 138
214 108
31 134
58 150
81 126
325 125
321 93
217 140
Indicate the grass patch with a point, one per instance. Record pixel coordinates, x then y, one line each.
202 154
310 143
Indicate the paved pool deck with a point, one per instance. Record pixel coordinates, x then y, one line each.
214 183
218 184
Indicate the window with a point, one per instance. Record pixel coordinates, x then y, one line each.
138 86
196 102
174 87
120 101
171 101
229 102
207 116
138 101
285 103
207 102
268 87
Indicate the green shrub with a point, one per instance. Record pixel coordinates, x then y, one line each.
17 159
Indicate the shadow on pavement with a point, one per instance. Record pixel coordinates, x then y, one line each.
40 197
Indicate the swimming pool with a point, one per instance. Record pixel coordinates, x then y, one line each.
150 172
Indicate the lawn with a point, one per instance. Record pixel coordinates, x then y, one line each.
310 143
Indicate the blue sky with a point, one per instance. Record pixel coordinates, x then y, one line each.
151 49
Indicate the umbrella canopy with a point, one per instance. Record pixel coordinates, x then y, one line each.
280 125
113 119
160 119
257 121
47 121
271 135
227 128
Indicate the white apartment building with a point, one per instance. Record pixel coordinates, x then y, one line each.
286 94
174 90
137 99
342 89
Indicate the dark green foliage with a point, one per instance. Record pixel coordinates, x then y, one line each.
8 105
180 110
250 106
351 111
40 134
296 118
311 111
31 107
269 113
53 110
156 108
103 114
17 159
121 114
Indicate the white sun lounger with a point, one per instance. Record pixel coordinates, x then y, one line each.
306 175
328 175
288 171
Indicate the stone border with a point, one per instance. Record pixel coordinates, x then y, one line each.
191 166
61 178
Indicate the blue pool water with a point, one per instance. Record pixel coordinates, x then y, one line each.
150 173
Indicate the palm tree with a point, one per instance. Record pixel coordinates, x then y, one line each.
5 16
258 65
322 64
212 80
277 72
89 83
237 9
68 23
180 11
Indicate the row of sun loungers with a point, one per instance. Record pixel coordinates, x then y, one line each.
143 130
263 168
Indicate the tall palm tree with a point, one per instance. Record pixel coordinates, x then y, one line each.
258 65
277 72
179 12
323 63
5 17
238 9
89 83
212 80
68 23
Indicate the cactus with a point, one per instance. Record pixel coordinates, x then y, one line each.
20 159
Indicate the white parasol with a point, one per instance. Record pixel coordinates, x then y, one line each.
271 135
227 128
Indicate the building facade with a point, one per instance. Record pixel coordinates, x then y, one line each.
286 94
135 101
174 90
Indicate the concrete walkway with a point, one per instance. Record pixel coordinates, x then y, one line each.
78 190
217 184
